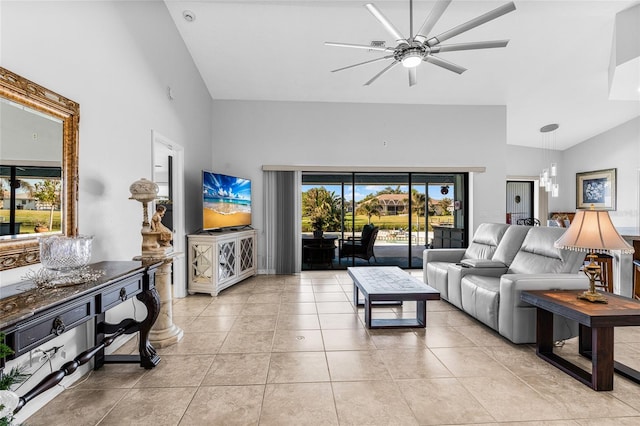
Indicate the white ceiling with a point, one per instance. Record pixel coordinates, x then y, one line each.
554 70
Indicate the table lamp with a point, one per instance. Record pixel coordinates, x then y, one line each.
591 231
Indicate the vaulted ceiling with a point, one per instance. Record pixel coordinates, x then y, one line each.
554 70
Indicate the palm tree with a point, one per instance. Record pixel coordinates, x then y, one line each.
322 207
370 206
26 187
418 206
390 190
2 184
445 204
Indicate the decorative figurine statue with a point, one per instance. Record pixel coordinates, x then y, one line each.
156 247
166 235
145 191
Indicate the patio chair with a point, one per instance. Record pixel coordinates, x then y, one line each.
359 247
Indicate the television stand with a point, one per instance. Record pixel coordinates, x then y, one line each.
221 259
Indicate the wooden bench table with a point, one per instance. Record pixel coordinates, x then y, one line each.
390 284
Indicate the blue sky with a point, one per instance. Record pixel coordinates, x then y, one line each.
363 191
217 185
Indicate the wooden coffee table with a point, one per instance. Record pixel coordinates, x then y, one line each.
597 322
390 284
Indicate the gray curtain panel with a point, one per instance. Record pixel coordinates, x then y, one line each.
282 201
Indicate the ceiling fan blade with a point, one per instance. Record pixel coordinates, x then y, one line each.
493 14
413 76
385 22
359 46
445 64
469 46
430 22
363 63
375 77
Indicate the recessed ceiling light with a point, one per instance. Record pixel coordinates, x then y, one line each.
189 16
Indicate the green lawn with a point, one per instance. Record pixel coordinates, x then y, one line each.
384 222
29 219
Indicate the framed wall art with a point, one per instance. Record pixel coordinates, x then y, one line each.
597 189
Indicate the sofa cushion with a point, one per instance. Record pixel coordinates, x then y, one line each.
457 272
538 255
481 298
485 241
511 243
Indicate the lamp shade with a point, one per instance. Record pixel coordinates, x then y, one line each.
592 231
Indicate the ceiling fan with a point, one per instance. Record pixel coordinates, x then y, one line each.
419 47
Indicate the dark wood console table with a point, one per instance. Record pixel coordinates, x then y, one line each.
597 322
30 317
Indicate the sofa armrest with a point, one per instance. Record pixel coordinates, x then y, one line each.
442 255
439 255
483 263
457 272
512 285
517 319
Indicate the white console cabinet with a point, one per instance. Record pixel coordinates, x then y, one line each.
218 260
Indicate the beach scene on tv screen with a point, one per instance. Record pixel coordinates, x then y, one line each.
226 201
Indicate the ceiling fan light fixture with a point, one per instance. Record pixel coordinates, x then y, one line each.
411 59
384 21
419 46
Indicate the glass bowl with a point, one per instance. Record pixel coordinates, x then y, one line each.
65 254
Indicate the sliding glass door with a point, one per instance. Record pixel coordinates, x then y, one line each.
382 219
382 200
444 211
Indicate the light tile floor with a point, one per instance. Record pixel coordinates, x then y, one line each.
292 350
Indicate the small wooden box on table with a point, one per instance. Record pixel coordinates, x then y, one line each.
390 284
597 321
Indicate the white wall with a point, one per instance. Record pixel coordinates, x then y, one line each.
248 135
617 148
527 161
116 60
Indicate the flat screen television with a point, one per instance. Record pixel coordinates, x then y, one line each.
226 201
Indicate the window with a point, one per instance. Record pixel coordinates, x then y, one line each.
30 199
402 206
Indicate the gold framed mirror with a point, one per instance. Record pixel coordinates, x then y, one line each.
24 104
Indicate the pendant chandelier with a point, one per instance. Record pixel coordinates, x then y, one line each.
549 174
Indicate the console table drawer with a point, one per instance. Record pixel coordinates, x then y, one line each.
120 293
32 334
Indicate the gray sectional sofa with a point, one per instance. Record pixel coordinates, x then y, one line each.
486 279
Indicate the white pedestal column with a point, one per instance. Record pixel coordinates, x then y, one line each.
164 332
